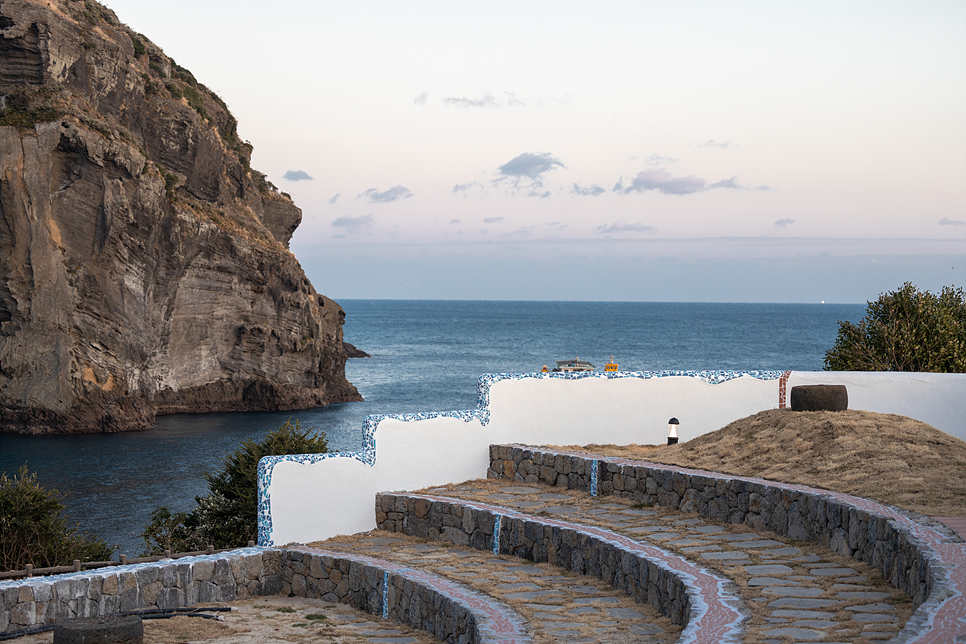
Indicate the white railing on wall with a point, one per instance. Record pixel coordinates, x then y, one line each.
315 496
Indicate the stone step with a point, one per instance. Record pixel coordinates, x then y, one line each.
447 610
687 592
814 592
556 604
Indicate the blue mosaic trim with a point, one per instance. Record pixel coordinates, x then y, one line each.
593 477
496 535
385 594
367 454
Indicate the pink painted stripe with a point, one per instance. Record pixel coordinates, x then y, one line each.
497 623
944 620
716 617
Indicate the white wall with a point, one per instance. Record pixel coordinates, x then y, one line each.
937 399
337 495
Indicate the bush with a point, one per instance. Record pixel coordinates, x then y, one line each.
905 330
227 516
35 531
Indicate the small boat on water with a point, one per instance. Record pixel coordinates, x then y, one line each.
573 366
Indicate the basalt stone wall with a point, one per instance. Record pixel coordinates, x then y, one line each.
360 585
537 541
166 584
801 515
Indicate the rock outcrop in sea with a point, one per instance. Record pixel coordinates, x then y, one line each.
144 266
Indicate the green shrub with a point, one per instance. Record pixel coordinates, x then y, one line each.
34 530
905 330
27 106
227 516
195 101
139 48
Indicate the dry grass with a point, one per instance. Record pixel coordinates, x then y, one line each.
889 458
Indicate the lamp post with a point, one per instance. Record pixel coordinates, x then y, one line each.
672 431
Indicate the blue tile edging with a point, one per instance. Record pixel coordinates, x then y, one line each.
367 454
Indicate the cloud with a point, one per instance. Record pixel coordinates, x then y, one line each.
530 165
492 220
626 227
592 191
666 183
946 221
421 99
657 159
524 233
455 221
512 100
355 224
726 183
717 144
663 181
787 221
487 100
393 194
297 175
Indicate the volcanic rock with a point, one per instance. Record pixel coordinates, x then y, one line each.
144 266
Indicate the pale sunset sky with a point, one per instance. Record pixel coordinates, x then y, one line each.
650 151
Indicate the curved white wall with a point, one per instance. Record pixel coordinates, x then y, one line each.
308 498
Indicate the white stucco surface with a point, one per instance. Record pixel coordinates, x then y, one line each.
337 495
937 399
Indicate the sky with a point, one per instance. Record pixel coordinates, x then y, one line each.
603 151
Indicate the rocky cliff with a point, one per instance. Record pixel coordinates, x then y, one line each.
144 266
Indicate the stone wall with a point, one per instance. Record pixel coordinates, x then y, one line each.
858 528
538 540
238 574
448 612
371 588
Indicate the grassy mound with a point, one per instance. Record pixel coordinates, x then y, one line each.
893 459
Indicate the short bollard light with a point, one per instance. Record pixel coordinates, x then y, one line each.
672 431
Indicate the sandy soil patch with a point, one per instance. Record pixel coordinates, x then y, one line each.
272 620
889 458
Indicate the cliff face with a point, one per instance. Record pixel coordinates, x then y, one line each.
144 267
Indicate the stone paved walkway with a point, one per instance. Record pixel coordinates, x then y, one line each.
557 605
796 592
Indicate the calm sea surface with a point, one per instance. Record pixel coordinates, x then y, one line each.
426 356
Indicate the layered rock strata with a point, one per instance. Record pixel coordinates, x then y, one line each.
144 266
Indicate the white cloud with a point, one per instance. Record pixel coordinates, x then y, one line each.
626 227
593 191
946 221
782 223
530 165
392 194
354 225
297 175
657 159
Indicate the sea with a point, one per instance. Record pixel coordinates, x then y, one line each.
426 356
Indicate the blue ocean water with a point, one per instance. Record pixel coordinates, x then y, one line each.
426 356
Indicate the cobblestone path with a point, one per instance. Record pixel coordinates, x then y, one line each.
795 592
557 605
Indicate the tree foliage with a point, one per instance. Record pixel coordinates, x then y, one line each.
34 531
905 330
228 515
